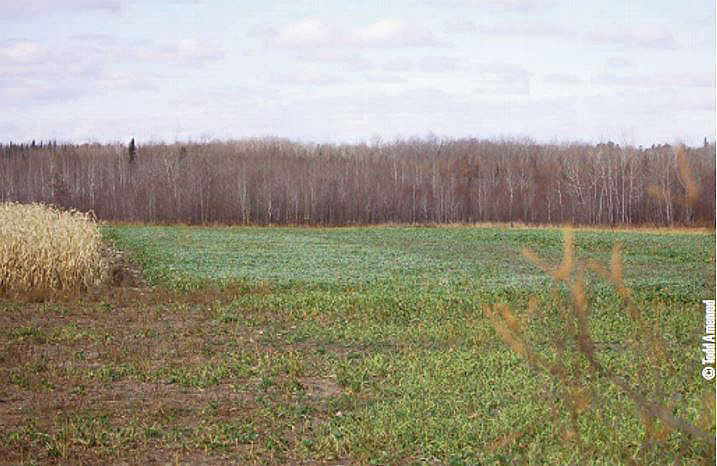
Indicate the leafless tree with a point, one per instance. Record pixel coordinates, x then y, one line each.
275 181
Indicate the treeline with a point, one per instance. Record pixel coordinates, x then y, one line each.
273 181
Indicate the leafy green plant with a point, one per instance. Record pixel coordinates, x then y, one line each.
581 366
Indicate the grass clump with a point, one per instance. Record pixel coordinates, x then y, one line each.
45 249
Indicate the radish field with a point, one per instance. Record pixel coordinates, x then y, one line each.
365 345
465 259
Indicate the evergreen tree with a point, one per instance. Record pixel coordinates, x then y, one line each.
132 150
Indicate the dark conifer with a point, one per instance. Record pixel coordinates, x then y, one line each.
132 150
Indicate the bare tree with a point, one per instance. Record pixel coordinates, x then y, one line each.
279 182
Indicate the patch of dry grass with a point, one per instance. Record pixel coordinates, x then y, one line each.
45 249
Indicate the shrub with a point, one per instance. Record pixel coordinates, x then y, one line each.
42 248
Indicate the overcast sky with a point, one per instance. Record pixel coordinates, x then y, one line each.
330 71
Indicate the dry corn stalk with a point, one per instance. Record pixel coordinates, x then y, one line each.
42 248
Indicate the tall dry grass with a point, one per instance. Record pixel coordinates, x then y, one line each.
580 366
45 249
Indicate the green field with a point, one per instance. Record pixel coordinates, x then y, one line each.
463 258
365 345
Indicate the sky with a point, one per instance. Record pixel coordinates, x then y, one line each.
552 71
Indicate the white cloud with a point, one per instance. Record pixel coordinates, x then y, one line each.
354 66
191 51
306 33
329 55
305 78
380 107
34 90
501 6
183 52
31 60
617 62
562 79
657 36
32 72
14 8
397 64
502 79
96 39
532 27
136 82
508 5
31 7
383 78
459 25
439 64
392 32
316 34
53 84
22 53
670 80
655 103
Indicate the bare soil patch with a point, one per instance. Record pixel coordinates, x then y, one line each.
135 375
